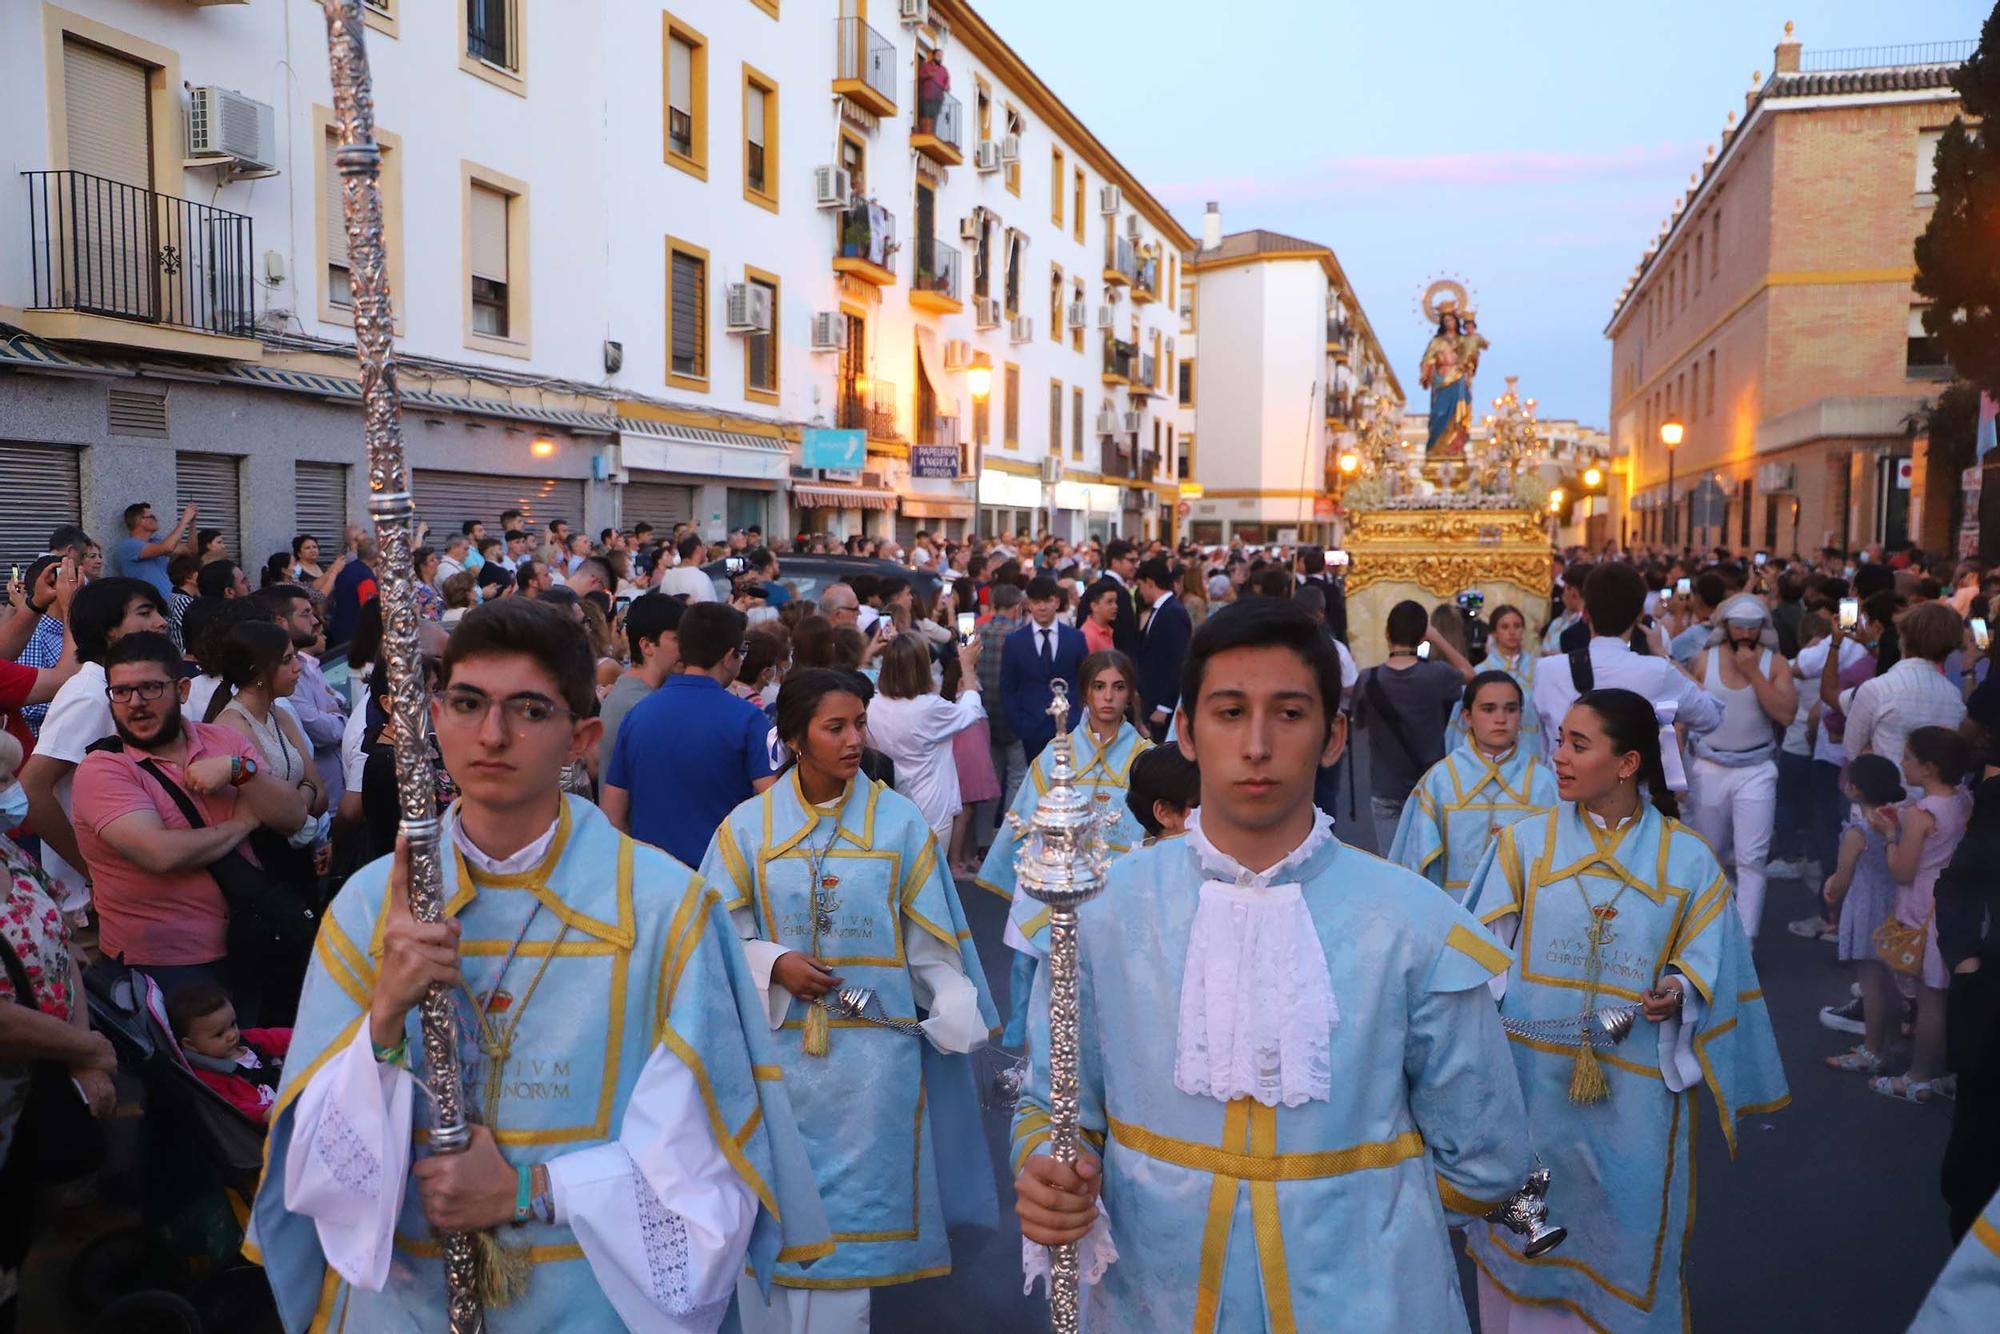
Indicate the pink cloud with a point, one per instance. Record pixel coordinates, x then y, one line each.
1360 171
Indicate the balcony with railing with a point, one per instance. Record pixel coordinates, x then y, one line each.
864 70
867 243
1146 280
1149 465
1115 456
1118 360
939 131
1338 405
1145 376
868 404
1339 337
935 286
1121 261
102 247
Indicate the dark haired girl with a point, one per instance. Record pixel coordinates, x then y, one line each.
1608 900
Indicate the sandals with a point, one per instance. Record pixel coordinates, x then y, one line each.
1903 1088
1856 1060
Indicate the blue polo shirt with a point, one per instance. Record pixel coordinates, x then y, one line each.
688 754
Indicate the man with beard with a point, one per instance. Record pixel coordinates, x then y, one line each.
318 707
159 910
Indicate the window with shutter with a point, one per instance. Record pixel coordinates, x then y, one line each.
760 350
107 106
755 102
688 315
1055 303
1012 409
686 111
1055 418
339 290
488 260
1076 423
680 96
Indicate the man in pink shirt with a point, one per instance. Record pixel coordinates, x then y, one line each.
158 907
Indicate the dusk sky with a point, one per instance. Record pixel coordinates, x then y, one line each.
1531 149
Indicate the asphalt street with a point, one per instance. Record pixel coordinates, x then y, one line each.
1828 1219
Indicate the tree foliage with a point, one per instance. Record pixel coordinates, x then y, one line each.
1958 255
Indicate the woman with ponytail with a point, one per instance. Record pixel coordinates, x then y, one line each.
836 883
1609 901
258 668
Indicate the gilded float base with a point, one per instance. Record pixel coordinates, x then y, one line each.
1433 555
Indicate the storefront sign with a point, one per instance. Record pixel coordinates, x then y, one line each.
822 448
935 461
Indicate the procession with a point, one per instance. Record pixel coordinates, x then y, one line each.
655 851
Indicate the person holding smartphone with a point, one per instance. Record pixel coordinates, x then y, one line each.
1404 704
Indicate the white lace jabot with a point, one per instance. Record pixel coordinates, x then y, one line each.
1257 1003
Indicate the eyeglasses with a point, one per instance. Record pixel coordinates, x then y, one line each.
145 690
466 707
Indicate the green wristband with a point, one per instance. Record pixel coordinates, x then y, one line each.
524 1208
395 1055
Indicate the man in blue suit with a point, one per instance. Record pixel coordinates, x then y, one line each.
1163 645
1041 651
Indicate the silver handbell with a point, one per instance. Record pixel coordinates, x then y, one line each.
1526 1212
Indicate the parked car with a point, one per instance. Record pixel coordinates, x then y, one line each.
806 576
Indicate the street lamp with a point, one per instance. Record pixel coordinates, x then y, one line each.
1671 434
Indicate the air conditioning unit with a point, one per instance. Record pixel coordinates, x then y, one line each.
1132 226
968 227
1079 314
1170 351
833 187
1108 421
1010 148
1107 318
1128 423
747 309
1146 368
957 354
1109 200
986 157
1052 469
829 332
986 312
914 12
223 123
1022 330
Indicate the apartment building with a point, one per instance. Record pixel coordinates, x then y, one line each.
641 257
1774 319
1277 353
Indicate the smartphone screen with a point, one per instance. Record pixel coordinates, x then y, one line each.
1683 586
1424 650
619 604
966 621
1761 558
1980 637
1850 613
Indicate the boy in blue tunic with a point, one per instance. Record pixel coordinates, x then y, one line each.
1966 1297
1292 1078
633 1151
1487 782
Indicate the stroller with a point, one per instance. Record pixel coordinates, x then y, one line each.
181 1268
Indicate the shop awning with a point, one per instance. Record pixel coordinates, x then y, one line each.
924 508
842 498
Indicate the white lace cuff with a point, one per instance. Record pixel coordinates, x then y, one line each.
1094 1254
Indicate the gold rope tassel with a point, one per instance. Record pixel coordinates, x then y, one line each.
503 1271
1586 1075
816 1030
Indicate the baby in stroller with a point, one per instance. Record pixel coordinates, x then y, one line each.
245 1065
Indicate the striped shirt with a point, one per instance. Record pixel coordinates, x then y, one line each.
1886 709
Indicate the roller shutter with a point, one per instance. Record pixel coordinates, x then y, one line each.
211 482
43 486
319 502
662 504
445 500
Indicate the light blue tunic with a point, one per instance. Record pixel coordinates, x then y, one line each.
1460 802
1622 1168
1330 1216
1966 1297
1522 669
891 1124
647 958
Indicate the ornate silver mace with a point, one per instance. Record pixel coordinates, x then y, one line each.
1061 864
394 512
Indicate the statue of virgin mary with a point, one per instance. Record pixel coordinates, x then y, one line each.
1444 373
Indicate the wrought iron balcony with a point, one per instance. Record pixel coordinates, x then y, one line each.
1145 280
939 130
1338 404
866 245
102 247
871 409
1121 261
1339 337
936 284
865 66
1118 359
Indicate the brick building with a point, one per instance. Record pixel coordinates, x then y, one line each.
1774 316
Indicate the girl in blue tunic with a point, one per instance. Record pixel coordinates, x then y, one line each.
1486 783
1607 900
833 883
1105 745
1506 651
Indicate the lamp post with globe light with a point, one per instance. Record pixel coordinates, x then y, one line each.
1671 435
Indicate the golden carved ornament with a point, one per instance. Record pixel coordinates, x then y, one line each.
1446 574
1482 529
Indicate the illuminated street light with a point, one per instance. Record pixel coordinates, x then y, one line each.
1671 434
979 379
543 447
1593 477
1349 461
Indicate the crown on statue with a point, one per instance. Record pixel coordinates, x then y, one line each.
1447 307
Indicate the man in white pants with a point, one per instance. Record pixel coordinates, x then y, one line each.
1734 775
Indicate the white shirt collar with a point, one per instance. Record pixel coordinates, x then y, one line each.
1221 866
524 859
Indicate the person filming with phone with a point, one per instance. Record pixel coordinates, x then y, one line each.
1403 705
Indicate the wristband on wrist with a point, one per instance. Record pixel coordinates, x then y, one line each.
396 1055
523 1184
542 1196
